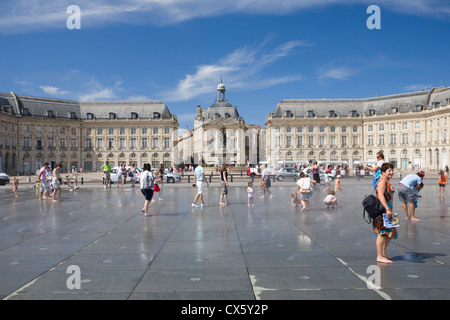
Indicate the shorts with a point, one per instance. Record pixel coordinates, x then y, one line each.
200 187
148 194
224 187
306 196
405 194
44 187
442 185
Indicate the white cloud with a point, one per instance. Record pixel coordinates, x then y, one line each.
340 73
25 15
241 69
54 91
418 87
99 92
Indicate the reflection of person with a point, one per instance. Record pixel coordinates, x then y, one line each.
201 182
385 192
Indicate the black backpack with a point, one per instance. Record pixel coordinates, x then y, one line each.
372 206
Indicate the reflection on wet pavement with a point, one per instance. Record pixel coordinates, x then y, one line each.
268 251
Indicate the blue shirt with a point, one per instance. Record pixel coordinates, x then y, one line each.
411 180
198 173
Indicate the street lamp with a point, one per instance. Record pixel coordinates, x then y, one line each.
223 130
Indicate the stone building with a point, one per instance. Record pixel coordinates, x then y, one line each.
220 135
411 129
83 134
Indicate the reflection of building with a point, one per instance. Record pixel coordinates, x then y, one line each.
411 129
221 135
84 134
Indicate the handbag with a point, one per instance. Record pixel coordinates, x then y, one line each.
372 205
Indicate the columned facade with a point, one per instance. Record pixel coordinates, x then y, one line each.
220 135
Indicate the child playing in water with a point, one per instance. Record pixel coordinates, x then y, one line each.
15 186
337 185
251 193
330 199
295 200
156 187
415 190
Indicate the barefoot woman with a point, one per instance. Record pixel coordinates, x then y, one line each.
384 194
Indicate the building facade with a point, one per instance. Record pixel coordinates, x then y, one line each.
411 129
220 135
84 134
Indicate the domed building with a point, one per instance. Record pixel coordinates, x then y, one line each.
221 135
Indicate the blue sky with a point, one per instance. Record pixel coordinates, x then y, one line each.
265 51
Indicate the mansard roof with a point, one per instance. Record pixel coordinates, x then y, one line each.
22 105
123 109
399 103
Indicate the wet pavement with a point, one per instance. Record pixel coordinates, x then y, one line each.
96 244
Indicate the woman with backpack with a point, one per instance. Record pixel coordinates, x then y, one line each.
384 192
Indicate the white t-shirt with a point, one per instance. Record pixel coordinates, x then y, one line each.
380 163
329 198
146 180
304 183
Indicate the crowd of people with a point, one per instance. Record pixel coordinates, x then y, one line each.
48 186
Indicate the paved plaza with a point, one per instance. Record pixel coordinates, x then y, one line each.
99 240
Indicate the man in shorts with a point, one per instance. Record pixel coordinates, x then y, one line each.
201 182
406 195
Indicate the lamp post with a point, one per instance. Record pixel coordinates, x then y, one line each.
223 130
